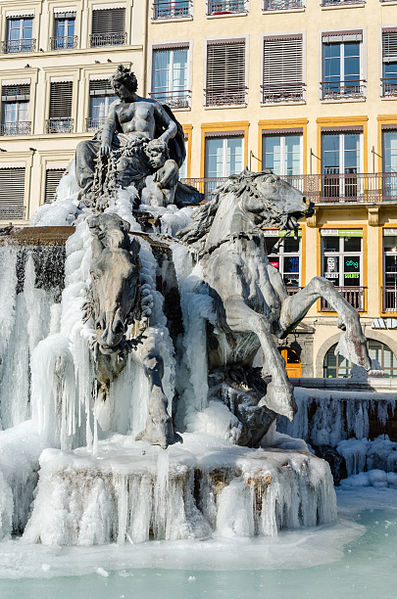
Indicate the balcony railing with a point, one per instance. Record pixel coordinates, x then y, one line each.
94 123
226 7
389 87
15 128
68 42
334 90
118 38
389 299
353 295
225 96
174 99
282 4
341 2
59 125
292 290
171 9
329 188
288 92
11 210
22 45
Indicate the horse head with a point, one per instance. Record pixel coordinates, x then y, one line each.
115 281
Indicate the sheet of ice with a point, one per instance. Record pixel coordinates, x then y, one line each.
64 210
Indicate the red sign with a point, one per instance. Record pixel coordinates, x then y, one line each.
275 264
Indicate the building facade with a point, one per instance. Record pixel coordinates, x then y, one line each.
308 89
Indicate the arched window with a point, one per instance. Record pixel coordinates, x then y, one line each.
339 367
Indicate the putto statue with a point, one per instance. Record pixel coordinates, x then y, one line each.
141 139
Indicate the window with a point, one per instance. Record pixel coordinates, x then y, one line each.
15 109
286 257
101 97
60 120
171 9
20 35
12 192
269 5
226 7
342 65
223 157
183 167
390 270
52 178
225 72
170 76
64 27
389 162
340 164
389 62
282 69
282 153
339 367
342 263
108 27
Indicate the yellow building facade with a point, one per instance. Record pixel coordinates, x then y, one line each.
307 88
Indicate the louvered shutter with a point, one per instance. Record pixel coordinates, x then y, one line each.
13 93
282 68
12 192
52 178
226 72
101 87
61 99
108 21
389 45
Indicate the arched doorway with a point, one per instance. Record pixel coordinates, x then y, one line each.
292 362
339 367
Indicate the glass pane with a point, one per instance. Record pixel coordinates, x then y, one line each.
352 61
161 71
214 157
293 155
390 151
351 267
331 244
179 75
331 62
272 153
330 153
270 243
234 156
352 244
352 152
331 268
291 264
291 245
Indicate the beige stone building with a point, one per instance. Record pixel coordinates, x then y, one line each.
305 87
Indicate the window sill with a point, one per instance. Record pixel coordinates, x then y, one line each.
283 12
341 100
298 103
181 109
347 5
225 15
225 106
388 98
177 20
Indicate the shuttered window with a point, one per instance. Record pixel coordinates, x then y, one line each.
12 191
282 68
108 27
101 98
225 72
389 58
52 178
17 92
61 99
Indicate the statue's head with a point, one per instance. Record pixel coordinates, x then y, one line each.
157 153
124 82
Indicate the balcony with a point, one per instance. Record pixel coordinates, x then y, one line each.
389 87
389 296
15 128
288 92
276 5
15 46
225 96
94 123
341 2
174 99
59 125
226 7
68 42
171 9
353 295
337 90
98 40
352 188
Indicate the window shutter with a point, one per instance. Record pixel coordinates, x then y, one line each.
101 87
12 192
13 93
226 71
61 99
52 178
108 21
282 61
389 45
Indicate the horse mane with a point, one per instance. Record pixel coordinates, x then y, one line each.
240 185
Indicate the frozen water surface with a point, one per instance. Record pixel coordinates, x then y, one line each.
356 558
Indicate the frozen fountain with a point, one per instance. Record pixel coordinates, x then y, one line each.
130 406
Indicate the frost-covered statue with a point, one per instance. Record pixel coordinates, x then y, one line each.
140 144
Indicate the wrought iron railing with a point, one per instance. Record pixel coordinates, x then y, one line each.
117 38
22 45
174 99
282 4
389 86
15 128
288 92
292 290
329 188
94 123
67 42
341 2
225 96
221 7
353 295
334 90
11 210
59 125
389 295
171 9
